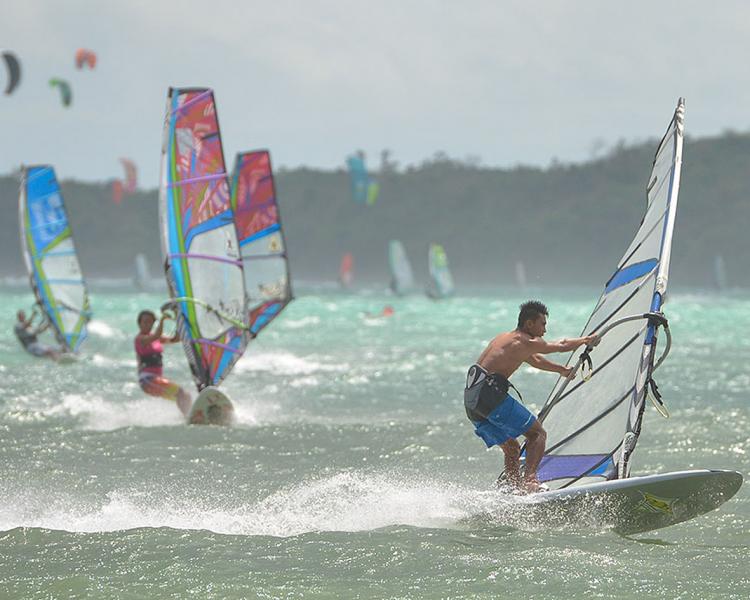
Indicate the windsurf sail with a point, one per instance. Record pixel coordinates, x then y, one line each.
593 425
402 279
441 280
364 189
720 273
346 270
50 256
202 261
142 275
261 239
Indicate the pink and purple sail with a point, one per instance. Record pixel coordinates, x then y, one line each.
261 239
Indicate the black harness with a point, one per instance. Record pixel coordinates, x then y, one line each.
149 360
485 392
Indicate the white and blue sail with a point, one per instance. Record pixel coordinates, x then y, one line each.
402 276
50 257
593 425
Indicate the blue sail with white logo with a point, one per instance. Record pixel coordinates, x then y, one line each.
593 426
50 256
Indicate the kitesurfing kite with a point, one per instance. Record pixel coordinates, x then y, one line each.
66 94
13 69
50 257
129 185
131 175
364 189
593 425
85 57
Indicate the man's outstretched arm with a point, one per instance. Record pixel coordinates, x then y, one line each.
542 346
539 362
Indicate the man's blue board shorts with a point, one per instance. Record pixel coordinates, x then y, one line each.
497 416
509 420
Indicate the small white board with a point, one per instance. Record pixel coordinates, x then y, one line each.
211 407
67 358
638 504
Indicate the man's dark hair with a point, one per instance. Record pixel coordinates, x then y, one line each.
531 311
143 313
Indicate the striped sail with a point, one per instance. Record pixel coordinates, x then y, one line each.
50 256
402 278
261 238
441 280
593 426
203 266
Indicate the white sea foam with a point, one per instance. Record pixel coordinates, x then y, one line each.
300 323
285 363
98 413
346 501
103 330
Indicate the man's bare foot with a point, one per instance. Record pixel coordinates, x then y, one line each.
531 486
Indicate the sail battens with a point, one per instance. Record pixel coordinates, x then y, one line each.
222 259
579 444
44 255
201 179
592 422
218 345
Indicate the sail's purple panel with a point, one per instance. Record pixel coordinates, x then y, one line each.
561 467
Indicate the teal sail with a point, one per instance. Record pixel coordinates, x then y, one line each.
441 280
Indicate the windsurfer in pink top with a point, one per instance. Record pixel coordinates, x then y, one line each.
148 350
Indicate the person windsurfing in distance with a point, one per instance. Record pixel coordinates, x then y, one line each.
498 417
27 335
148 349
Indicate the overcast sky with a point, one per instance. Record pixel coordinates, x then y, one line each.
511 82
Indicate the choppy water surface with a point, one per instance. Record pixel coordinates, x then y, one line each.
352 471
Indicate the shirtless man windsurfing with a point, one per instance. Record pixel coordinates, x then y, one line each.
148 350
497 416
27 335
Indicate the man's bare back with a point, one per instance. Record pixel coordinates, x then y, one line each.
506 353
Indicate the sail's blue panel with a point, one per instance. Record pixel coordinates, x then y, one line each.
630 273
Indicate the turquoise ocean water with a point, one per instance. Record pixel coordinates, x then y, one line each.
352 471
